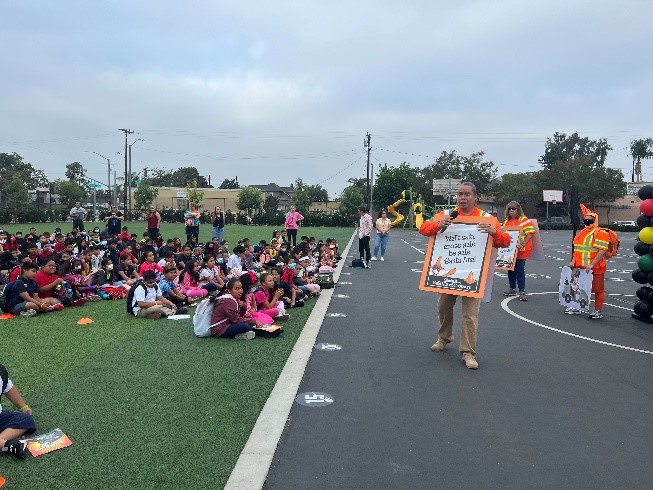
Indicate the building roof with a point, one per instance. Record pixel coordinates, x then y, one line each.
272 187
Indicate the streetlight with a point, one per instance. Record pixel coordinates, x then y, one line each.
108 176
129 173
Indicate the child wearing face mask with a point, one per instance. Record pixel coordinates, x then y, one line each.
105 275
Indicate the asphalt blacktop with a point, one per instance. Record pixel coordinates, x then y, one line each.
558 402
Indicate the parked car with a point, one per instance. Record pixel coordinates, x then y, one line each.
624 223
559 220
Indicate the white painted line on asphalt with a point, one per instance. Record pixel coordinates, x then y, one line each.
411 246
254 461
504 305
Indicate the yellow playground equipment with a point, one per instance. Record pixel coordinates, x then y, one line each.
418 209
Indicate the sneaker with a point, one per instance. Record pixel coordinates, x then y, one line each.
27 313
282 318
439 345
367 265
510 292
182 311
382 259
596 315
470 362
374 258
15 447
572 311
245 336
522 296
94 298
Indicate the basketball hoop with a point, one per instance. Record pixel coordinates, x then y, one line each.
554 202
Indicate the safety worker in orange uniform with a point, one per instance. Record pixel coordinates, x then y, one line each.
517 278
470 306
590 246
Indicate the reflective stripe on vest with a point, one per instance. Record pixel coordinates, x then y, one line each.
585 249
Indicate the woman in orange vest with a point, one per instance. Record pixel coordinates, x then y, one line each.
517 278
590 245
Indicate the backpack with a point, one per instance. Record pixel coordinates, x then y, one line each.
358 264
325 281
4 296
613 247
130 295
202 318
65 293
613 243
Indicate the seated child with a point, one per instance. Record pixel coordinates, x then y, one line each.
227 320
23 298
189 280
210 276
126 271
268 298
105 276
14 424
169 290
147 301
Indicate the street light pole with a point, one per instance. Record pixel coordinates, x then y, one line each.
108 176
124 204
129 173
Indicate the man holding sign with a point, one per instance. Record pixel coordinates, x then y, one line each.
446 301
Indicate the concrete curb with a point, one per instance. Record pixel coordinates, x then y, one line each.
255 460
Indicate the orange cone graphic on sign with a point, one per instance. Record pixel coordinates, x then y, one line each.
450 272
470 278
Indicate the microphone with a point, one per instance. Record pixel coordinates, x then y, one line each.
453 215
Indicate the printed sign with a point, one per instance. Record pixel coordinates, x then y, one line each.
575 288
537 252
314 399
47 443
458 259
507 256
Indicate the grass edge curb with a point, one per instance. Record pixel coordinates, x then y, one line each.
254 462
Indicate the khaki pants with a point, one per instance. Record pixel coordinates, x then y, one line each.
470 309
164 310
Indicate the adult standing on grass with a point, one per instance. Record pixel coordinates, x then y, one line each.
192 222
364 232
218 224
517 278
470 306
78 215
153 222
382 234
292 223
114 221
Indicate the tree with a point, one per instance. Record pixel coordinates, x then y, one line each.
195 196
317 193
521 187
390 182
301 197
70 192
572 160
562 148
249 198
182 177
229 184
270 206
13 164
75 172
145 195
16 191
350 199
640 150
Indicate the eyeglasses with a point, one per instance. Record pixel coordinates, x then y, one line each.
512 209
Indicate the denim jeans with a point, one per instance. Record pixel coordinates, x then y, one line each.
235 329
218 232
518 276
382 241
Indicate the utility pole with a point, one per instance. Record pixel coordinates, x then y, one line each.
124 204
367 144
108 176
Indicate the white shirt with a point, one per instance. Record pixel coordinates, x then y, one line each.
143 293
234 262
10 385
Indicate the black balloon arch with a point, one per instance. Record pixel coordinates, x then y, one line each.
644 248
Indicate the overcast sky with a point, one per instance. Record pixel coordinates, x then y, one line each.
271 91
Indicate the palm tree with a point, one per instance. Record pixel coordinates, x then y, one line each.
639 150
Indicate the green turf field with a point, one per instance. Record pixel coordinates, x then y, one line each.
145 402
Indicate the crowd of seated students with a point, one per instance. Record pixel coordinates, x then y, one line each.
49 271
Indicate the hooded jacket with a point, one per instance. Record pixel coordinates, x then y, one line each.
226 313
